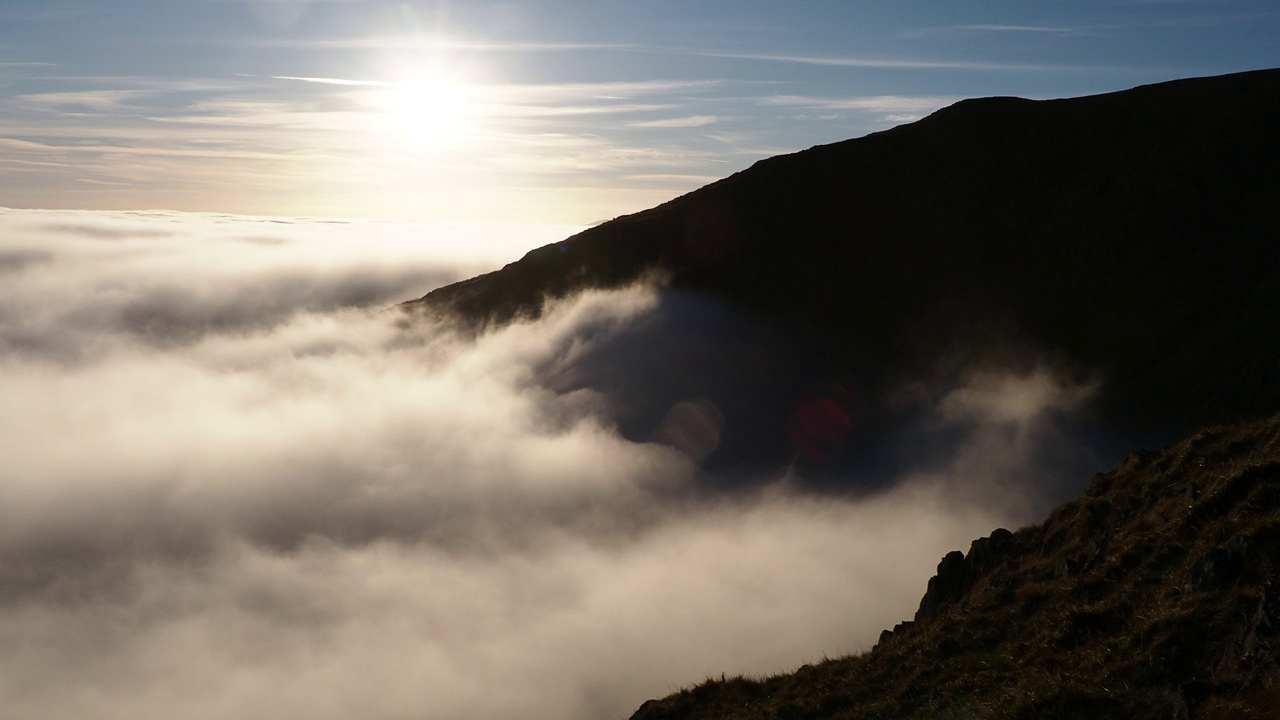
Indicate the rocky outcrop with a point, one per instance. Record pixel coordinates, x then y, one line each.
958 573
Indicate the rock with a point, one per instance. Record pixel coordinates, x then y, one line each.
945 587
958 573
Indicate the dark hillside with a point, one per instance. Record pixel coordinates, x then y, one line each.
1131 237
1155 595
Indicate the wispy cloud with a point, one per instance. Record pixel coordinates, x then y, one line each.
562 110
335 81
439 43
64 101
314 143
680 122
1019 28
871 103
134 150
1008 28
891 63
889 108
675 177
617 90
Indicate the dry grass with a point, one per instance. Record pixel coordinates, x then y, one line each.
1155 595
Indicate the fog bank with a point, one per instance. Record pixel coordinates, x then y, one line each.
236 485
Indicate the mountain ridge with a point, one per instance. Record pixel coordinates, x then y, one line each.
1125 237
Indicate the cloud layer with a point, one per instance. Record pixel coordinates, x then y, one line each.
237 486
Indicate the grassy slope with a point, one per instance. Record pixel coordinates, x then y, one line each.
1155 595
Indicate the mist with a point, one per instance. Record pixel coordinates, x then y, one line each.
237 483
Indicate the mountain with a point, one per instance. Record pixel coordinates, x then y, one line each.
1127 239
1155 595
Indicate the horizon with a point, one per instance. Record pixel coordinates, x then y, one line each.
531 113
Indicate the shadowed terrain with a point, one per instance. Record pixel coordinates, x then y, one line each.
1126 239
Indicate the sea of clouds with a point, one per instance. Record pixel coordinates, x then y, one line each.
235 482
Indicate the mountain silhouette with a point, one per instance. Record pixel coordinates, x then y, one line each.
823 300
1128 239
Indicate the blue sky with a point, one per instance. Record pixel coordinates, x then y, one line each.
566 112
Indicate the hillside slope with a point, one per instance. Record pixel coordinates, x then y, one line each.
1155 595
1129 238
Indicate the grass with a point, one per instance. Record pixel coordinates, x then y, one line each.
1155 595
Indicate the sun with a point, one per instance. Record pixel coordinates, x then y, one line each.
427 112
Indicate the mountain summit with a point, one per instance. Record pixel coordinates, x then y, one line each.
1128 238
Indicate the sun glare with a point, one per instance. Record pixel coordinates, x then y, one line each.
426 112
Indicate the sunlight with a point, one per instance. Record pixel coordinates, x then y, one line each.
426 112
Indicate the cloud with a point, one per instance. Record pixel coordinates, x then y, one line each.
321 144
104 276
1008 28
418 42
236 486
893 63
873 103
617 90
1018 28
890 108
680 122
67 101
1010 400
676 178
1016 451
13 261
335 81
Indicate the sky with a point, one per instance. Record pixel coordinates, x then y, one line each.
568 112
236 485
